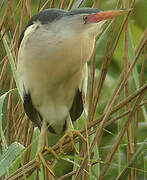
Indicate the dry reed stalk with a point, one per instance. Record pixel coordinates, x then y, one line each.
130 150
32 164
15 113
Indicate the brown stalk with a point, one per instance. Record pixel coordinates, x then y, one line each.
3 19
21 121
110 56
90 107
2 4
142 40
62 4
4 71
141 46
117 142
11 15
95 4
91 84
73 173
45 4
91 124
26 130
16 113
52 4
28 8
96 96
108 110
9 114
130 150
118 107
29 138
143 66
21 129
136 137
39 5
105 65
67 175
16 126
130 69
29 166
32 164
70 4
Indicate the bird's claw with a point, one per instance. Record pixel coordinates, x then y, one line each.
70 133
39 158
51 151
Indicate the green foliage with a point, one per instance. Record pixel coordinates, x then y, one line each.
8 156
21 133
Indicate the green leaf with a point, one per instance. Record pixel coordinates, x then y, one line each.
127 169
12 64
135 72
9 156
2 99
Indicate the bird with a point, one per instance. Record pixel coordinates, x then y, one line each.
53 51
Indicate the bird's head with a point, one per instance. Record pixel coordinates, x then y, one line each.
88 20
77 21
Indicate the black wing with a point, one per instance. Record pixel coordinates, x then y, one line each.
30 110
77 106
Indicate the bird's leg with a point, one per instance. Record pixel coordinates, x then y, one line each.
41 143
70 132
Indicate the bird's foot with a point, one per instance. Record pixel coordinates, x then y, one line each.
51 151
40 159
70 133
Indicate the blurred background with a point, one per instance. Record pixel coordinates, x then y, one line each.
122 41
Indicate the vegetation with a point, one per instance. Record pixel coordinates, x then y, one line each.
115 119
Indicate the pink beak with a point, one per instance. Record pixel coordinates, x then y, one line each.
104 15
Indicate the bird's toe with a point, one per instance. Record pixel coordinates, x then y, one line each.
40 159
70 134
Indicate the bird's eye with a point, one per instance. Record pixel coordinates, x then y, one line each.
85 19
